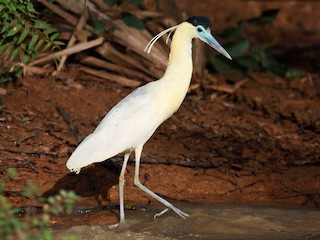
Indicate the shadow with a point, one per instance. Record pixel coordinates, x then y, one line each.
93 181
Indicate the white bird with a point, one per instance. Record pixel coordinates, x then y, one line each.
130 123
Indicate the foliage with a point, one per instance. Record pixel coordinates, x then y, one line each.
248 57
23 36
35 226
129 19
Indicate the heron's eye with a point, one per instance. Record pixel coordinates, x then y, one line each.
199 29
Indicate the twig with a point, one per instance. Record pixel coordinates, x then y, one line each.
96 62
227 89
111 77
52 154
64 14
8 193
22 165
77 48
80 25
183 163
303 163
27 138
27 69
76 209
65 116
238 188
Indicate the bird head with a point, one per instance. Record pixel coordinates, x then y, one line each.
202 30
199 27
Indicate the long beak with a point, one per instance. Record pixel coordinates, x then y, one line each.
212 42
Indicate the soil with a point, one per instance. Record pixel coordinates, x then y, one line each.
259 144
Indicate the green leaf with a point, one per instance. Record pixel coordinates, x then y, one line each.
32 15
21 8
25 58
46 46
239 48
22 46
14 30
39 43
54 36
132 20
30 6
41 24
59 43
5 27
2 47
267 16
12 6
8 50
23 35
49 31
33 40
14 54
98 27
5 16
111 3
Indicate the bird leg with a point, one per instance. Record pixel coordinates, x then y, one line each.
161 213
137 182
121 184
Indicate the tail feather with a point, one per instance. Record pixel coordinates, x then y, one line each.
94 148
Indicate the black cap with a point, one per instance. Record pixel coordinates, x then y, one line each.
200 20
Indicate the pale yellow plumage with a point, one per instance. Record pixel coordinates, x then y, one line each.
145 108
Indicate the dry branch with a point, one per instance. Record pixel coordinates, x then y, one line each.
72 40
65 116
227 88
96 62
111 77
121 51
77 48
179 162
35 152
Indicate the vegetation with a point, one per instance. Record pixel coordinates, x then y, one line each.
128 18
247 56
23 36
34 226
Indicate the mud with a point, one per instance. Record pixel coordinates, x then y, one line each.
243 147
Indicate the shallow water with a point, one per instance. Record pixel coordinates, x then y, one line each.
209 222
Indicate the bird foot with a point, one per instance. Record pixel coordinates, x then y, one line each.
160 213
176 210
180 213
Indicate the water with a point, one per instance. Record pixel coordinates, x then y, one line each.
209 222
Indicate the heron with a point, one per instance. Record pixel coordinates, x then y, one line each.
131 122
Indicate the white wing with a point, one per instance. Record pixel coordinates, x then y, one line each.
128 124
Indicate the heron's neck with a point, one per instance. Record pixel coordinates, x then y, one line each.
180 60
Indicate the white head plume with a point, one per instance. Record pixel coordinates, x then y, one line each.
159 35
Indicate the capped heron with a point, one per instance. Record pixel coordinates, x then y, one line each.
130 123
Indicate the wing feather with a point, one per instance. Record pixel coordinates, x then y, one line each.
128 124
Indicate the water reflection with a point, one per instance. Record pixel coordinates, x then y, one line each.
210 222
